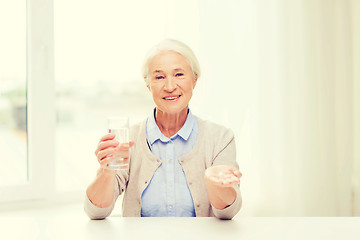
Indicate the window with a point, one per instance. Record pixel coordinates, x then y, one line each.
13 132
26 80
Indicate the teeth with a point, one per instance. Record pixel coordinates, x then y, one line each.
171 98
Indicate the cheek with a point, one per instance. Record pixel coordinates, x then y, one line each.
154 92
152 88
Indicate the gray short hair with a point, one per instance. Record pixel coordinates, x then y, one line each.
171 45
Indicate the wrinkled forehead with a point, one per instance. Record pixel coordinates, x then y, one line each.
169 58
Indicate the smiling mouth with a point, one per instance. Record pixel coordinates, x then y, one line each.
172 98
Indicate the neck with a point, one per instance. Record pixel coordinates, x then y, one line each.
169 124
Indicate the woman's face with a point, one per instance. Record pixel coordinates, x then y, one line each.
171 82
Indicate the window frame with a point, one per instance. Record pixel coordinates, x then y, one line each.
40 114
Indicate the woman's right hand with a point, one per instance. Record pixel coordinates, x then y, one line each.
107 148
101 191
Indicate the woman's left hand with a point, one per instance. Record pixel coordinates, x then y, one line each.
219 181
222 176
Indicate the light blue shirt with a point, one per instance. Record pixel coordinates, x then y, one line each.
168 194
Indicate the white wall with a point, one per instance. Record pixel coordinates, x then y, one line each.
281 75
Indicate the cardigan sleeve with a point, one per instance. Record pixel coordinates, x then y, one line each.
230 211
95 212
225 154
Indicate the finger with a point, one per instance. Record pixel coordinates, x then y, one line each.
105 138
105 161
109 143
104 153
226 175
108 136
122 151
226 181
124 146
231 180
235 172
234 180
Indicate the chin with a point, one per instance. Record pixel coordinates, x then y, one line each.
172 109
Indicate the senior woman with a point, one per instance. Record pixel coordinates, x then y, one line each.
180 165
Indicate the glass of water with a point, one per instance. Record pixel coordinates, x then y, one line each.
120 127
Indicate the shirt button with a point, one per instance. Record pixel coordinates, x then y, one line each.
171 206
190 182
197 204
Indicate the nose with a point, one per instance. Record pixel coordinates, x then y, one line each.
170 84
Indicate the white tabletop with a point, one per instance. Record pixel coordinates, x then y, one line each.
58 224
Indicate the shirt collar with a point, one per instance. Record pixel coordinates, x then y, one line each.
153 132
188 126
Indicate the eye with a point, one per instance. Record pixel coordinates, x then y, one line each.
159 77
179 74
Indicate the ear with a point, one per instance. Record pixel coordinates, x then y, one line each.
148 86
147 83
195 81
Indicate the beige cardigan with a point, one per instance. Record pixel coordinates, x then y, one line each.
215 145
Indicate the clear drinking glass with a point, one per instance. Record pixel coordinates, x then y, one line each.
120 127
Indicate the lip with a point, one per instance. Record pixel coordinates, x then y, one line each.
171 98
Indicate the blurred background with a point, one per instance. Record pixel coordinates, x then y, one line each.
283 75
